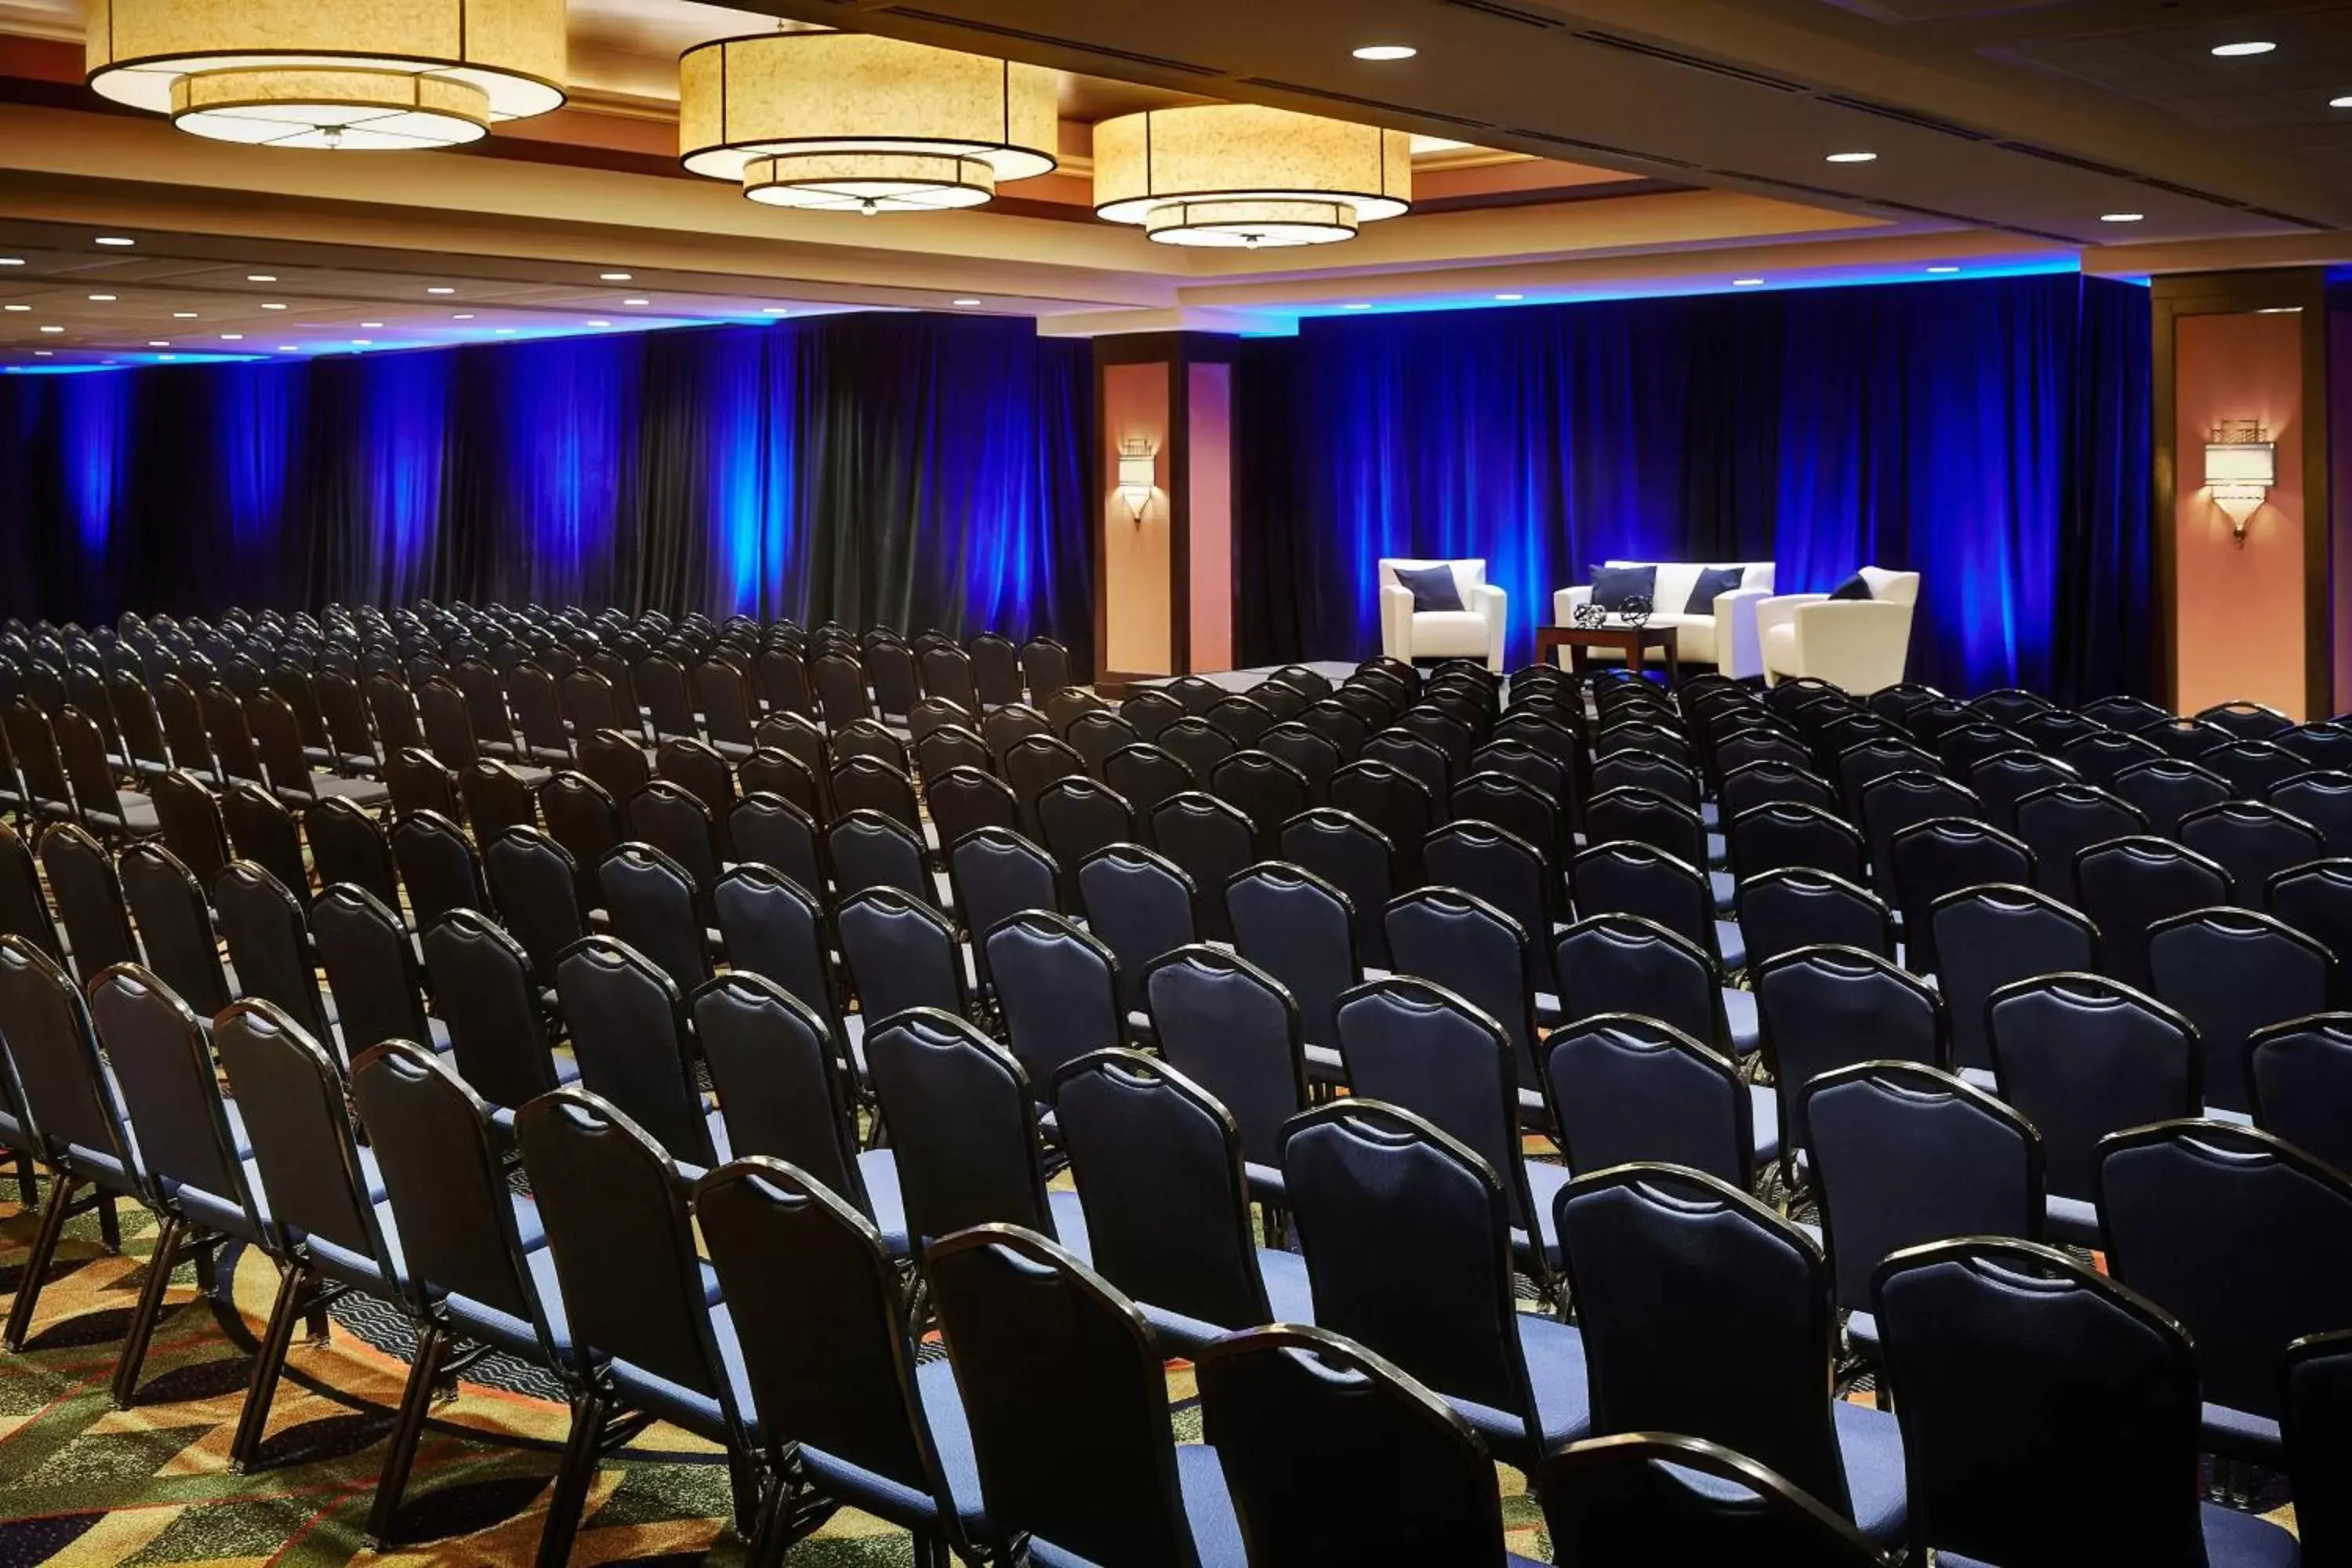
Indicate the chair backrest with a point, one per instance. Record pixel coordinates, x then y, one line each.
1212 842
1943 855
654 910
1644 1496
2060 821
1627 878
834 1370
782 1081
2231 972
1068 1408
1391 803
629 1033
437 866
52 1050
2128 886
1825 1007
371 968
488 999
535 889
1232 1028
1624 964
190 815
1354 857
1318 1436
1776 833
291 1097
901 951
87 893
2011 1363
2299 1083
871 849
1737 1352
2081 1056
2242 1237
169 1089
963 1122
432 1139
1159 1164
1466 944
1991 936
1796 906
676 821
2253 766
347 845
2252 841
1057 988
1906 1155
1300 930
1078 816
2167 789
2319 1431
175 927
1378 1194
606 1190
1624 1088
270 943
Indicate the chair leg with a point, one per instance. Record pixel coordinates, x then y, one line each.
36 1266
269 1361
572 1480
407 1432
109 1225
28 1191
151 1308
772 1537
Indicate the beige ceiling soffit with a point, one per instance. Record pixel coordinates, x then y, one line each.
2220 255
1954 85
1893 250
1111 323
1530 233
689 212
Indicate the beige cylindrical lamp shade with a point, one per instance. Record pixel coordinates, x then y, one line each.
1242 173
852 122
356 74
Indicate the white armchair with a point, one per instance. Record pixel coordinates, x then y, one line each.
1859 645
1475 631
1725 637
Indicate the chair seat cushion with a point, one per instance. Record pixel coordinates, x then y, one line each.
2071 1221
900 1500
879 1168
1208 1508
1439 633
1872 1444
1861 1335
1780 648
1731 943
1764 1122
2233 1540
1739 1018
1555 1357
2243 1432
696 1411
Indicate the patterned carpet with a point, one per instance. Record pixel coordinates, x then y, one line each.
82 1486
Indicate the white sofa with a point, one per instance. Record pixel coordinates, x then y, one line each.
1726 638
1859 645
1475 631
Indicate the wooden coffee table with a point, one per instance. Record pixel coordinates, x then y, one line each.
1632 642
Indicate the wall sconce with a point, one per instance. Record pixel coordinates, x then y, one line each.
2239 469
1137 476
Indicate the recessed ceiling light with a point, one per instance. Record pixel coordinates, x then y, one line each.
261 278
103 299
1748 283
1507 297
775 311
53 329
12 261
600 323
232 337
2280 311
113 239
183 315
615 277
1853 158
290 348
463 316
1386 52
362 342
370 325
159 343
2343 102
15 307
1943 269
1357 305
636 301
967 302
2251 46
440 288
504 331
45 354
273 307
2121 217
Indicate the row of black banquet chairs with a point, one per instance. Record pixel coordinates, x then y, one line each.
1386 1359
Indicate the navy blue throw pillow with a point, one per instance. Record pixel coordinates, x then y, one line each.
1712 580
1434 587
1613 585
1854 587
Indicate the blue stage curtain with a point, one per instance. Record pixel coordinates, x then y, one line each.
913 469
1991 434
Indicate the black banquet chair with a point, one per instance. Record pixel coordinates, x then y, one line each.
1658 1498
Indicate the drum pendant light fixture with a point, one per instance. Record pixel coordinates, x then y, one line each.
851 122
384 75
1243 174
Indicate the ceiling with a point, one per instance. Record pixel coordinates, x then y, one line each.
1563 151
